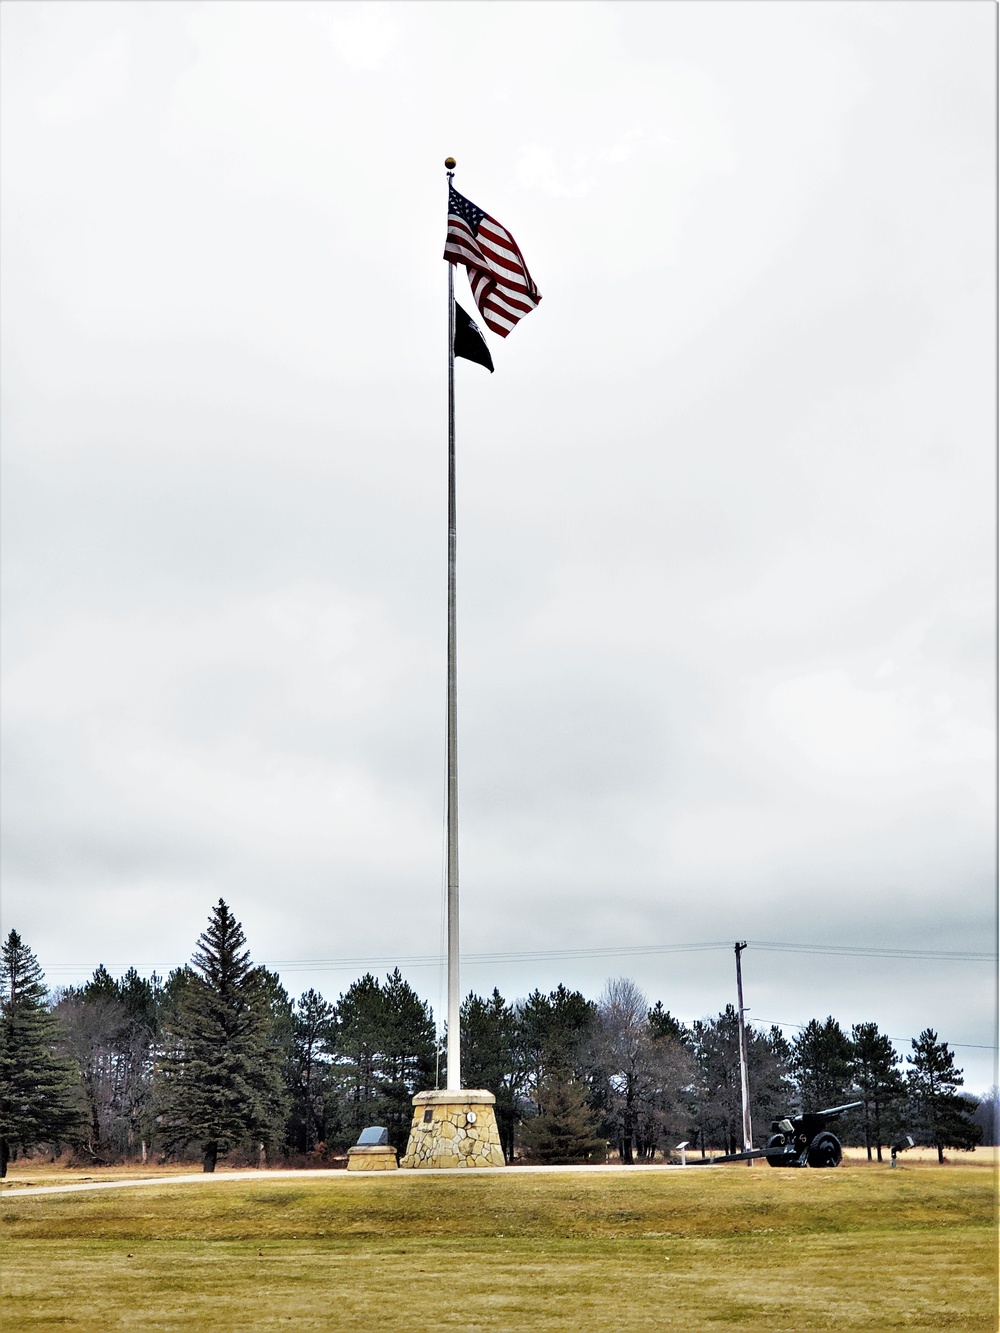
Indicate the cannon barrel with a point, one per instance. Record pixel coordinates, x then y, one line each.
832 1112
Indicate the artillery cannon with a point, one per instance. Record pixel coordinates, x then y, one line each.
798 1140
804 1140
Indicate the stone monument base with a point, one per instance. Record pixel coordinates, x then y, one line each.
453 1129
372 1157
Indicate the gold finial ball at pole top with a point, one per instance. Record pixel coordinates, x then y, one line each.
449 162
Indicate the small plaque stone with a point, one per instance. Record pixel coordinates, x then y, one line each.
373 1136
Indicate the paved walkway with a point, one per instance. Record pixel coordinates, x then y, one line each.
9 1190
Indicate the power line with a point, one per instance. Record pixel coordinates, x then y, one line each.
623 951
875 951
901 1041
568 955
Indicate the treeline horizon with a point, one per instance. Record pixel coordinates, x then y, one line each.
219 1059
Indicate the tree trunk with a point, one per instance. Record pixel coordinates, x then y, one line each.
506 1127
628 1127
211 1156
4 1157
940 1153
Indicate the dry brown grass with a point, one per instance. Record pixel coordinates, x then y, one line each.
757 1250
988 1157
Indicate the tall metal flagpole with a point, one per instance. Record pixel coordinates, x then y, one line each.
454 1068
452 1126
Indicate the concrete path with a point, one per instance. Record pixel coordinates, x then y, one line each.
9 1190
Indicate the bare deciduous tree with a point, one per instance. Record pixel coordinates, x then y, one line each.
642 1068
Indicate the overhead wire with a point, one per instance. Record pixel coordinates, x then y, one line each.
623 951
900 1041
569 955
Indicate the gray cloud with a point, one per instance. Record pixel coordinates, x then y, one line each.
726 509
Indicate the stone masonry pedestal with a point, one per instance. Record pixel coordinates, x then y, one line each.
371 1157
453 1129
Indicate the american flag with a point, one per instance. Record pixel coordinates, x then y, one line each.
498 275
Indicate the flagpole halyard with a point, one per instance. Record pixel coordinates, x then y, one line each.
453 1077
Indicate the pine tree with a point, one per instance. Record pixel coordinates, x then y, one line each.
821 1059
491 1058
219 1077
874 1066
663 1025
666 1084
406 1061
565 1128
718 1102
384 1054
314 1023
553 1035
39 1091
942 1116
360 1024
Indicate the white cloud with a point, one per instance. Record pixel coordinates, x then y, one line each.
537 168
841 728
95 84
364 35
726 531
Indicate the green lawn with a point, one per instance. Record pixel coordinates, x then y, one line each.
748 1250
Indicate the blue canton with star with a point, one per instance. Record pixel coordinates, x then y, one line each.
465 209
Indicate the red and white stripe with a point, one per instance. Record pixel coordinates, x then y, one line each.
498 275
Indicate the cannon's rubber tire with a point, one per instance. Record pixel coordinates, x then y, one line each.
825 1150
777 1141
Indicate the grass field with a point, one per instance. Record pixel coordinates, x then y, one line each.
774 1251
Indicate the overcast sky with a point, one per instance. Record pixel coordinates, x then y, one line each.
726 508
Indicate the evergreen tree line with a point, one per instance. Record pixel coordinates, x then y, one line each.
218 1059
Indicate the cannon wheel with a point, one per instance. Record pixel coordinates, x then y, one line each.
825 1150
776 1159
